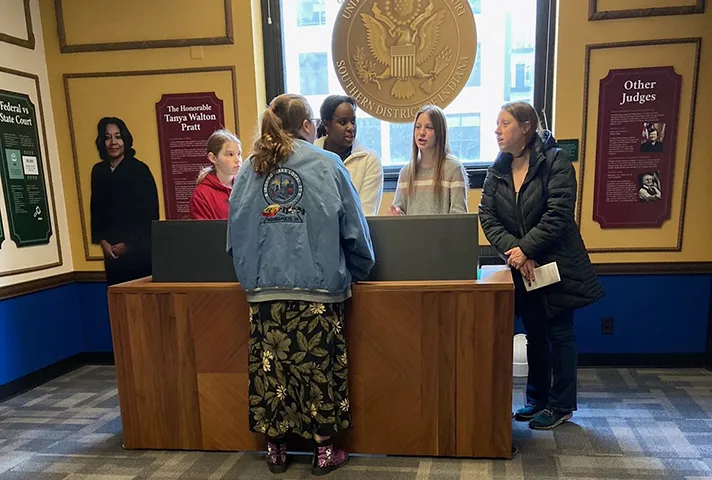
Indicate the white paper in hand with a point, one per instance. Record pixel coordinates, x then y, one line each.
543 276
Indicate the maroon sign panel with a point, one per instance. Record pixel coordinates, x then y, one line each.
185 121
635 152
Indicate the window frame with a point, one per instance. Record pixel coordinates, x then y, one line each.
272 39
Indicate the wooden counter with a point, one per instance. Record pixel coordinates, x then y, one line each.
430 366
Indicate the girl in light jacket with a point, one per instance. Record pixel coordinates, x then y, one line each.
298 239
337 133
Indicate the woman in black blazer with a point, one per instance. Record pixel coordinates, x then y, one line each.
124 202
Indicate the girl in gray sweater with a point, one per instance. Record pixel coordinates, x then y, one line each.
434 182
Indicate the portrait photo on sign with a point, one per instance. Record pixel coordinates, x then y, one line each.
652 137
649 186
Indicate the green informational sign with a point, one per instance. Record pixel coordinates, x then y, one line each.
571 147
22 173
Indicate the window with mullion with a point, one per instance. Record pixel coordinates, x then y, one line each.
515 44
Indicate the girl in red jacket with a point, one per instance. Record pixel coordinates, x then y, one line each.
211 196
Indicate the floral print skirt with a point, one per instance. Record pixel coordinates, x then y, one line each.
298 369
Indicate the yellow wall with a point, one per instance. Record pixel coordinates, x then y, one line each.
23 71
574 33
134 98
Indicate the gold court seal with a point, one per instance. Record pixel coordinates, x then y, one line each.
393 56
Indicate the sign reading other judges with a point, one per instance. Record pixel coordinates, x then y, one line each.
635 150
22 172
185 121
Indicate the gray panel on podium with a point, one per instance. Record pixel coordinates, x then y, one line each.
191 251
428 247
442 247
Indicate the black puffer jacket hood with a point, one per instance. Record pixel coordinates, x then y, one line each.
541 222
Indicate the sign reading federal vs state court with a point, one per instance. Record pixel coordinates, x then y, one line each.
21 170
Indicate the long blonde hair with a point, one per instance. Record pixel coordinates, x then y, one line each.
214 145
280 125
442 148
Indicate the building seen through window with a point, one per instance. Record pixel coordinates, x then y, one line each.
504 71
311 13
313 74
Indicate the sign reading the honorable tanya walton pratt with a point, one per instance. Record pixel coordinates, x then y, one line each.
185 121
393 56
22 172
635 152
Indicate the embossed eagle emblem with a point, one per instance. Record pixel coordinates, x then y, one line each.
403 41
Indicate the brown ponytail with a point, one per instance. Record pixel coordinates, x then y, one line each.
280 125
204 173
215 143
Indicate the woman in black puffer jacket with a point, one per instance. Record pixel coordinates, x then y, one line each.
527 214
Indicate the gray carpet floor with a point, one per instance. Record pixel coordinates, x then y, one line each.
631 424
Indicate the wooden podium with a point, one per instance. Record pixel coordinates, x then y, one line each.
430 366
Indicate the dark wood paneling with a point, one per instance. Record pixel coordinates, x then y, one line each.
445 306
406 360
212 353
155 362
223 413
484 374
388 339
124 366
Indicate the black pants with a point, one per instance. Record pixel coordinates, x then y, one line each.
130 266
551 352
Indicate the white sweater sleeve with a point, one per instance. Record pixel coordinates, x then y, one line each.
371 190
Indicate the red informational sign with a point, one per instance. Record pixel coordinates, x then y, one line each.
638 113
185 121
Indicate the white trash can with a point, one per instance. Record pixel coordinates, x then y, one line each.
521 368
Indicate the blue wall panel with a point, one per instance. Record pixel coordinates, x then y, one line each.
39 329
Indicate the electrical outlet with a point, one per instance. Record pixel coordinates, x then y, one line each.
607 326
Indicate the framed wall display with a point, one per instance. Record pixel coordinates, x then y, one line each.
598 11
657 235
